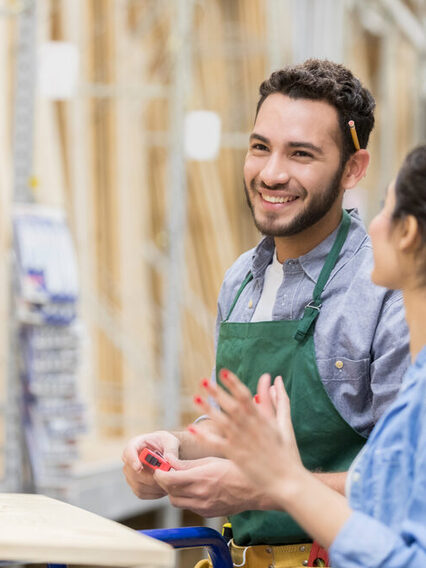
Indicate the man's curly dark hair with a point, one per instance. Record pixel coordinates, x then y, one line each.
323 80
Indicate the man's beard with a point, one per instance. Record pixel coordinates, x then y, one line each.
320 205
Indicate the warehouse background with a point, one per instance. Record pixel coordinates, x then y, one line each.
108 330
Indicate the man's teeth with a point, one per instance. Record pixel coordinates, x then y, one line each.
274 199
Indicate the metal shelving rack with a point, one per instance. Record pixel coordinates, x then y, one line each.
23 123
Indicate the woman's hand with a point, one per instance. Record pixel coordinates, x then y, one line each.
257 434
259 438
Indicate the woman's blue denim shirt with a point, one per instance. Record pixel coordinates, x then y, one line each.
387 487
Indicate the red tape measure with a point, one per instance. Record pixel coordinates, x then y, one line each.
154 460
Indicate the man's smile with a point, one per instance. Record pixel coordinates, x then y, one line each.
277 198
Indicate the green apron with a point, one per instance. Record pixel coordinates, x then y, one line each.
326 441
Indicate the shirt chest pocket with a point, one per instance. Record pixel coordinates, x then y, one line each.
390 481
341 368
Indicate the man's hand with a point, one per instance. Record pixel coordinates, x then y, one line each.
142 481
210 487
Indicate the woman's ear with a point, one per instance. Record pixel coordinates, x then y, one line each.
355 169
409 237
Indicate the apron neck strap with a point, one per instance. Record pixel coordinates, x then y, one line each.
249 276
312 310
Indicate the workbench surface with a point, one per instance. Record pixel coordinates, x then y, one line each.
35 528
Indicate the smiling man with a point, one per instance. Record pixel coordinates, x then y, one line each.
301 305
294 172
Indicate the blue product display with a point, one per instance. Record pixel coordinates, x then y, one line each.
46 293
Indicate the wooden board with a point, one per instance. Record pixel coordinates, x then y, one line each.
35 528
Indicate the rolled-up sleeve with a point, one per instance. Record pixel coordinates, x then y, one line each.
364 542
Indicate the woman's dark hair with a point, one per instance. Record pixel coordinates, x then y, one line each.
410 191
323 80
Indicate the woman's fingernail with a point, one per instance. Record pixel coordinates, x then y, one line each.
197 399
191 429
256 398
205 383
224 374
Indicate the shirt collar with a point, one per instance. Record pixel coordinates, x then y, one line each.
262 256
313 261
421 357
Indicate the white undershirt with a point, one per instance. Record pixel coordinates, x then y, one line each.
274 277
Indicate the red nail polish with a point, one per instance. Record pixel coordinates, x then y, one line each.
198 399
205 383
224 374
256 398
191 429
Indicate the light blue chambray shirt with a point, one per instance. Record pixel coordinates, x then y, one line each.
388 487
360 325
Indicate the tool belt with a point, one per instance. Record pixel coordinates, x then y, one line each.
285 556
264 556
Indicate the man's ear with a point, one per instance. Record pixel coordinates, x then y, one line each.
409 235
355 168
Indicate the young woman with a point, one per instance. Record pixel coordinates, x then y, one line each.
383 521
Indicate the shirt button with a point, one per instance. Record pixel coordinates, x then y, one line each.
339 364
250 304
356 476
268 549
